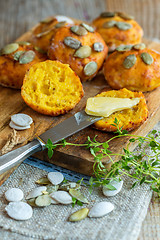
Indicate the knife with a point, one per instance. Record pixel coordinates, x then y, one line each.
71 125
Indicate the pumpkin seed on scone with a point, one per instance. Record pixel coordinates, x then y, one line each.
80 47
51 88
135 67
129 119
15 60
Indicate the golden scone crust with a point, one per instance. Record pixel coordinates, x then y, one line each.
129 119
46 29
51 88
84 53
14 65
139 76
114 36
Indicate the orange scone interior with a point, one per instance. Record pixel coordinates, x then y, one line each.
51 88
129 119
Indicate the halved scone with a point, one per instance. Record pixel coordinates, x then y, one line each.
51 88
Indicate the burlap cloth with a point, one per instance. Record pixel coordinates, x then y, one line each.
123 223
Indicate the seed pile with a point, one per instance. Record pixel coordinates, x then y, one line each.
20 121
57 190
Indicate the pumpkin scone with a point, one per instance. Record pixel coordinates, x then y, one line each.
80 47
42 34
128 107
51 88
118 28
15 60
136 68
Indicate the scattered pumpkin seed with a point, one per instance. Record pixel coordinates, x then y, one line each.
47 20
43 201
90 68
123 25
24 43
36 192
83 52
69 185
139 46
60 24
125 16
31 202
79 215
27 57
21 119
79 30
129 61
52 188
55 177
9 48
123 48
100 209
147 58
109 193
109 24
72 42
43 181
87 27
14 195
107 14
17 55
98 47
61 197
78 195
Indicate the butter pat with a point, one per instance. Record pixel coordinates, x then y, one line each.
105 106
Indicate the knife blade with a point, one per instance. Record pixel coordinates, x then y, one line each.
71 125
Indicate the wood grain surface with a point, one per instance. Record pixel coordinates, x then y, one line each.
17 16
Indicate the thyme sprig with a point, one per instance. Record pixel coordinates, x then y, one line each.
139 165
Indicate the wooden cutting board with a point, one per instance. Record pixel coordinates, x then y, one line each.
73 158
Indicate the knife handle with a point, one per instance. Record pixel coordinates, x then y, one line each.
13 158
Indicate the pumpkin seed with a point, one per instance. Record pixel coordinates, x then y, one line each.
43 181
147 58
78 30
61 197
43 33
72 42
47 20
125 16
100 209
19 210
78 195
123 48
24 43
109 24
27 57
123 25
12 125
43 201
79 215
14 195
31 202
40 50
55 177
83 52
17 55
109 193
60 24
36 192
10 48
129 61
69 185
61 18
98 47
107 14
87 27
51 188
139 46
21 119
90 68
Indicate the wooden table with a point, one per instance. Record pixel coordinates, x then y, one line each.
18 16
